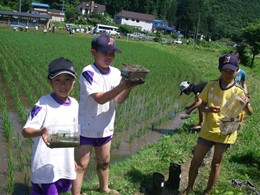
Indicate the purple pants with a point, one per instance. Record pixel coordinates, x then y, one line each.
96 142
60 186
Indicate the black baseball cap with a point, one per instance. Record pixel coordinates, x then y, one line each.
229 61
60 66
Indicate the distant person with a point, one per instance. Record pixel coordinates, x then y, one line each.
53 169
196 89
26 28
101 89
53 28
36 28
240 77
212 99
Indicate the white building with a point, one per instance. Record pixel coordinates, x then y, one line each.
57 15
89 7
141 21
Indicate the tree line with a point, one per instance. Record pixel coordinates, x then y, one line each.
218 18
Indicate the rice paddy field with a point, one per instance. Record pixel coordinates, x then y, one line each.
24 58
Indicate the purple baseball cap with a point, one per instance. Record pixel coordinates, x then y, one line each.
105 43
229 61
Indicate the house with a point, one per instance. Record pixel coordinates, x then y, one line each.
23 19
44 9
40 8
162 26
142 22
87 8
57 15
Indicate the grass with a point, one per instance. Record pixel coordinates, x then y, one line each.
29 53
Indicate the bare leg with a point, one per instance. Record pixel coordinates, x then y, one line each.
199 154
82 156
103 159
218 156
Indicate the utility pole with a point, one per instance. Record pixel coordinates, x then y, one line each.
197 29
62 12
20 6
62 6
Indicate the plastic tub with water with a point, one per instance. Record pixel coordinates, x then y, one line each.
63 136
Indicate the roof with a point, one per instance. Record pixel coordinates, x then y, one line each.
10 13
97 7
56 10
40 5
158 21
136 15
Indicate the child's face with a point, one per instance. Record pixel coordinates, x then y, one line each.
228 75
103 59
62 85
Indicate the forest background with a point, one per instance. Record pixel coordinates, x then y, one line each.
218 18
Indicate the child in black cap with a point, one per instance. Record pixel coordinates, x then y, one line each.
101 89
212 99
53 169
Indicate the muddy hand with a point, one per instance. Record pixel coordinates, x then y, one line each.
44 136
245 98
188 111
134 82
214 109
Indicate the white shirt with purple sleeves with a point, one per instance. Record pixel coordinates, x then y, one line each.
97 120
49 165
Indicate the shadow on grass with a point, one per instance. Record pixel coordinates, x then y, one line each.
186 127
21 189
139 178
251 162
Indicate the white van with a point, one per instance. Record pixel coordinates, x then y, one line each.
110 30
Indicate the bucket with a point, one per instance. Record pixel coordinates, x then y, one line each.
233 106
63 136
228 126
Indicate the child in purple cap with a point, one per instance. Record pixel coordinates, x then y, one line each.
101 89
212 99
53 169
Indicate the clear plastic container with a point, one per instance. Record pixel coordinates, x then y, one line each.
233 106
63 136
228 126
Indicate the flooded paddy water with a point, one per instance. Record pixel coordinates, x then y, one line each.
126 149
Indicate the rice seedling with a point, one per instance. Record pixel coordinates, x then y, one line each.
10 172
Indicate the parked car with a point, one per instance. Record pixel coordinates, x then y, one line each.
113 33
18 28
177 41
137 35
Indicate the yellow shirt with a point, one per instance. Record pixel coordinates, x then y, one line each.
213 95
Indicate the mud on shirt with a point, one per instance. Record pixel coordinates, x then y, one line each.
97 120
